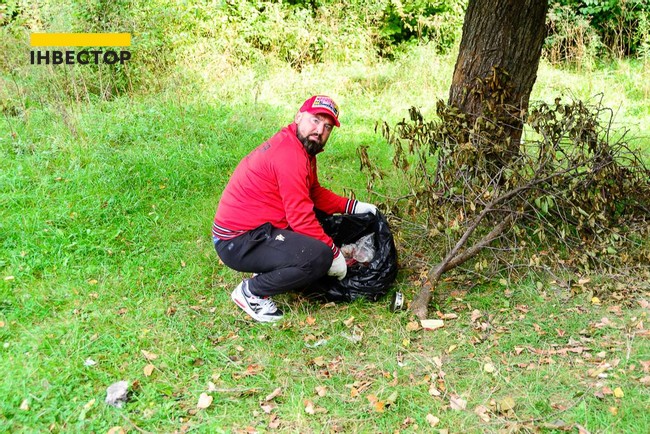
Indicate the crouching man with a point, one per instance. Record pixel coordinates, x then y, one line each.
265 221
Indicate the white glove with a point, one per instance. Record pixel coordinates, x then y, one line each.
339 268
363 207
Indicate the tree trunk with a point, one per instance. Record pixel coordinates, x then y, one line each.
497 63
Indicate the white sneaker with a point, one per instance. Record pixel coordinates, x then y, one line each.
261 309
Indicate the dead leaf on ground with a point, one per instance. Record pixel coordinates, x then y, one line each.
321 390
476 314
310 408
148 370
457 403
433 390
378 405
205 401
482 412
268 407
149 355
599 370
116 430
433 421
273 394
506 404
274 422
646 365
412 326
251 370
432 324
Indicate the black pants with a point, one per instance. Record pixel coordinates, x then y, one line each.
285 260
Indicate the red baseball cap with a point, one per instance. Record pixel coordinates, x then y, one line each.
322 104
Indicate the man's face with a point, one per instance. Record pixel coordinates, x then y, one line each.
313 130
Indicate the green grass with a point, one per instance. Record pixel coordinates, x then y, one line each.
105 252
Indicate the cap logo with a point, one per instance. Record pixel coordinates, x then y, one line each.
327 103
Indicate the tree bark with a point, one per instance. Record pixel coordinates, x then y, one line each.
502 39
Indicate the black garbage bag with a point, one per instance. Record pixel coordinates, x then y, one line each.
370 280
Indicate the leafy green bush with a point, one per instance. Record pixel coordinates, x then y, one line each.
618 24
420 20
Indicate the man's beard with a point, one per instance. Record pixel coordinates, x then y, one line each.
312 147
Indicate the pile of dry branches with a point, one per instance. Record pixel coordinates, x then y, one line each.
573 189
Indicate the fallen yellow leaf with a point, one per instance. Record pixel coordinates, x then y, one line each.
489 368
412 326
595 300
618 392
506 404
148 370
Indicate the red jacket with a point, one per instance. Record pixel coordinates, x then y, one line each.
277 183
